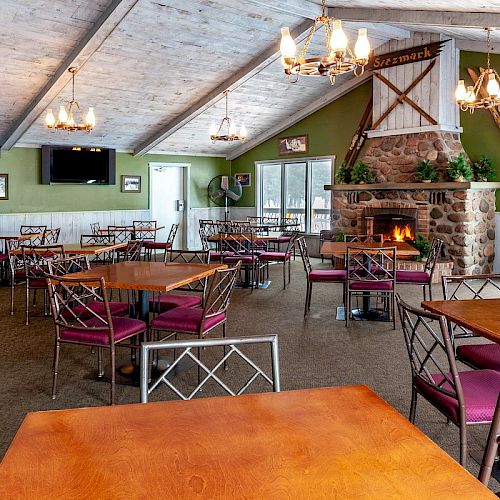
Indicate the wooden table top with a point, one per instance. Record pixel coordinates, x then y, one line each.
403 249
130 228
482 316
152 276
271 235
21 237
342 442
77 249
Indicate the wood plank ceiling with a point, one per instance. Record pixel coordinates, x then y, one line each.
162 58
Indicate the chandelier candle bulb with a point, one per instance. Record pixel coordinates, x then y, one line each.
213 129
338 42
493 88
470 97
63 115
362 47
287 47
243 131
90 118
50 119
232 128
461 92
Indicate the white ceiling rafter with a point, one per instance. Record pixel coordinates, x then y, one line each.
92 40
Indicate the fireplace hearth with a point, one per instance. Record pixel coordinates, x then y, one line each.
394 223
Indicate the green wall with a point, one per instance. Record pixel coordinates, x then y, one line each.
26 194
329 131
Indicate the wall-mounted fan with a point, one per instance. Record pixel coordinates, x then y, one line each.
224 191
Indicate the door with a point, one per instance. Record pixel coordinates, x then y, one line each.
167 201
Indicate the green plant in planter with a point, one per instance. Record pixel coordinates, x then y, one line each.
460 169
483 169
361 174
423 245
343 174
426 172
339 237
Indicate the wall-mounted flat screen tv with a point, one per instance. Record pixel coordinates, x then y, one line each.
78 165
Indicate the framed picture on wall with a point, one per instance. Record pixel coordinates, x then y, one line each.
131 183
245 179
4 186
292 145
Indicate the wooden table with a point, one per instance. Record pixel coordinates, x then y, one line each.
342 442
131 229
403 249
257 236
77 248
18 237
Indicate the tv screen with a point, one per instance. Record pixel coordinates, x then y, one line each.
78 165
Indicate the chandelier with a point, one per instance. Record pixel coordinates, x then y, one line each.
474 97
227 128
66 119
339 58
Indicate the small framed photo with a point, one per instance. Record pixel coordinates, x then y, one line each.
245 179
4 186
131 183
292 145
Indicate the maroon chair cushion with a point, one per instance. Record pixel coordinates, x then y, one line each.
38 283
417 277
123 328
4 257
371 285
218 255
327 275
282 239
115 308
274 256
186 320
484 356
170 300
157 245
480 388
245 259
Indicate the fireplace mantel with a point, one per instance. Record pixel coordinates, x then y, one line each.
414 186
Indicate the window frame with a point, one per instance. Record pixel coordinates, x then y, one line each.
308 184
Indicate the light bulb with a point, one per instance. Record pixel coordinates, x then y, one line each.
90 118
213 129
63 115
287 47
362 47
470 97
243 131
70 121
493 88
232 128
338 41
461 92
50 120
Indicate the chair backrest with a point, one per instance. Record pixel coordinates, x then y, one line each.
254 219
94 227
431 353
133 251
304 253
65 293
363 238
190 257
287 222
292 241
326 235
16 262
36 257
272 221
246 372
480 286
238 242
171 235
145 230
367 264
433 256
89 240
51 236
122 233
38 230
68 265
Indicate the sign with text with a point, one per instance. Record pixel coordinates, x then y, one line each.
406 56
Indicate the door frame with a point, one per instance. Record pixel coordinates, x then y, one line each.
186 194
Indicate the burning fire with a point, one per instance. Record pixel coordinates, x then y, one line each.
401 233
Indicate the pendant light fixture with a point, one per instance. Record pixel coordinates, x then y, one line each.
227 130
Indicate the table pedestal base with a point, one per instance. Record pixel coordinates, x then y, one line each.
362 315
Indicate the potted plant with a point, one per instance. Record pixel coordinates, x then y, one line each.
423 245
483 170
343 174
459 169
426 172
361 174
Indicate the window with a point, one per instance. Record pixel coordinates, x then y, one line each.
296 189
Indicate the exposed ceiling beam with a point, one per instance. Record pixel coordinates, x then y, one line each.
93 39
476 46
256 65
335 93
300 8
423 17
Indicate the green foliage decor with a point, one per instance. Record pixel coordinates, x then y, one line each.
483 169
460 169
426 171
343 174
361 174
423 245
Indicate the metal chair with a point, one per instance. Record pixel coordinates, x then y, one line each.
465 398
363 238
490 452
51 236
35 260
239 246
133 251
475 287
371 270
103 258
162 245
16 268
35 230
423 278
325 235
211 373
318 275
145 230
94 227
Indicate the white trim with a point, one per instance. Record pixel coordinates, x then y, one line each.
414 130
477 46
174 153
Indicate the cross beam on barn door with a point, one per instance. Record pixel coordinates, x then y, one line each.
403 96
484 93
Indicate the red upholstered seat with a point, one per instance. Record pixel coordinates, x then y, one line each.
123 328
483 356
480 388
3 257
327 275
413 277
373 285
115 308
218 255
38 283
274 256
282 239
184 319
157 245
171 300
